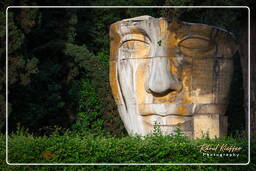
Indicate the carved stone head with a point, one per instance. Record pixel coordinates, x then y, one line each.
173 75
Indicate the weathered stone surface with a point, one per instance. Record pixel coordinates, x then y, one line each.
212 125
176 75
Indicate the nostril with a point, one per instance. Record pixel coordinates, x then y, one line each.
163 87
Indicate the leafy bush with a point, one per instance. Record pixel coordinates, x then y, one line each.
89 116
73 148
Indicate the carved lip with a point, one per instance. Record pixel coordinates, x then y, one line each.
165 109
164 119
152 123
164 115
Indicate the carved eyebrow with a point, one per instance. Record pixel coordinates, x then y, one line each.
134 40
129 37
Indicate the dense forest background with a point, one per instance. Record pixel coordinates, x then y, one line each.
58 63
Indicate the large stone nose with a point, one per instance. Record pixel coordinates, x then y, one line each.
160 80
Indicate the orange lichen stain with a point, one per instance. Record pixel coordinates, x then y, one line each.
182 110
173 69
113 81
174 121
139 84
187 100
138 36
186 85
163 28
144 109
171 40
48 155
114 41
171 52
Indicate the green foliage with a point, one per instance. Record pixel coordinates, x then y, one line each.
70 148
229 19
159 42
89 106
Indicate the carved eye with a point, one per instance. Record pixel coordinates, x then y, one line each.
135 48
197 46
134 45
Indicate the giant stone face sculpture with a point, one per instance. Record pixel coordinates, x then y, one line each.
174 75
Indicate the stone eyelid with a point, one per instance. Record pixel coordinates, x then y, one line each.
134 40
142 38
197 38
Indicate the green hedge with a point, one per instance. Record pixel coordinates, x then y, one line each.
73 148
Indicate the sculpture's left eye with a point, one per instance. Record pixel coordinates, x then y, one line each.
197 46
135 48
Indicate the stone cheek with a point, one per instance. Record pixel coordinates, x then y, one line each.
174 75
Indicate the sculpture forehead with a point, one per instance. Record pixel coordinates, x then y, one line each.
150 27
170 35
145 25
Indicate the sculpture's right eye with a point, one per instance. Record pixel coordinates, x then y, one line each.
135 48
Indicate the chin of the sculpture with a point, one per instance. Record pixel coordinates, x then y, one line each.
138 124
168 124
193 125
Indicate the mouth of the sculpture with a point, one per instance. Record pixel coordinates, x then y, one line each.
163 115
166 109
167 120
152 124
